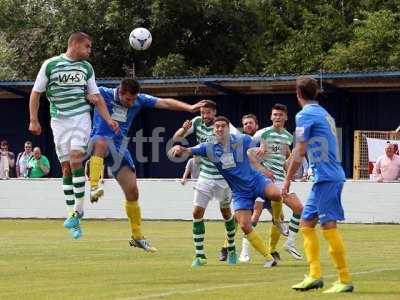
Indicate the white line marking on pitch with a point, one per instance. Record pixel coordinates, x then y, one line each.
167 294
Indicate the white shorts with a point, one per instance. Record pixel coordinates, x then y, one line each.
71 133
207 190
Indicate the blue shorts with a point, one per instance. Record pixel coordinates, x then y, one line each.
324 202
245 201
117 161
115 158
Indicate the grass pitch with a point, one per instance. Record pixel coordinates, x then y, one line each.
38 260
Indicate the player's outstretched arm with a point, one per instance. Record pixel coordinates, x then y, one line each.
172 104
34 102
182 132
298 154
98 101
254 160
180 151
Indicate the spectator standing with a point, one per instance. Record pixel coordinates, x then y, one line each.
250 124
7 161
22 160
38 164
192 169
387 167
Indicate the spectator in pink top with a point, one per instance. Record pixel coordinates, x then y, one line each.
387 167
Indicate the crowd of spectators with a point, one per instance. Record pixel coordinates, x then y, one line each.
30 163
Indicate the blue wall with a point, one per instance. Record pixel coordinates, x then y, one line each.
352 111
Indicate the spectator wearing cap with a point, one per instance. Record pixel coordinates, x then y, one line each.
7 160
22 160
387 167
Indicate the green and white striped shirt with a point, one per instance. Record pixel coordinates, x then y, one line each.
204 134
66 83
277 145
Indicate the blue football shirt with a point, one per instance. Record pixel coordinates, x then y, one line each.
123 115
232 162
316 126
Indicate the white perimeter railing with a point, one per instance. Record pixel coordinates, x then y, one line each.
363 201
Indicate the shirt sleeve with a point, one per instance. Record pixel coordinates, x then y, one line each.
233 129
305 166
107 93
377 167
92 88
41 79
200 149
189 164
46 162
148 100
290 139
303 127
257 138
247 142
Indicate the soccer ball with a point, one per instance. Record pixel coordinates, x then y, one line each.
140 38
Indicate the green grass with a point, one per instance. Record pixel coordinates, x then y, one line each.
38 260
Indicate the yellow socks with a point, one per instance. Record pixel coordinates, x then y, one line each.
96 166
132 209
256 241
311 247
338 253
274 236
276 210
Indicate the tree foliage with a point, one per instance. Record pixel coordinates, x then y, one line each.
198 37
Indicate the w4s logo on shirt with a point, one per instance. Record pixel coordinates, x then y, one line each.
71 78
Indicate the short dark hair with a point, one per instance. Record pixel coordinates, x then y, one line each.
307 86
130 85
222 118
250 116
78 37
4 143
279 106
210 104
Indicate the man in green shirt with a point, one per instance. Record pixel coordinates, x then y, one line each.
275 142
38 164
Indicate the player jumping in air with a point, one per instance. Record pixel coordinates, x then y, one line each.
124 103
68 80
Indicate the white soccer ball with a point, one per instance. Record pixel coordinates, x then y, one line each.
140 38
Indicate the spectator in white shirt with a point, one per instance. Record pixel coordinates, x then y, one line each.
7 161
192 169
387 167
22 160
